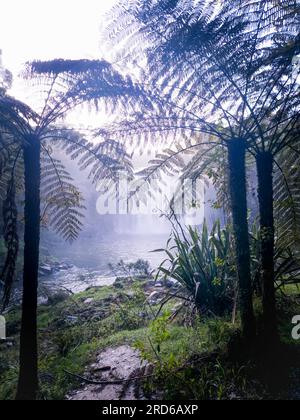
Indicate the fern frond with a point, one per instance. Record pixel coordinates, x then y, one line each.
62 201
105 159
216 61
287 198
11 239
65 84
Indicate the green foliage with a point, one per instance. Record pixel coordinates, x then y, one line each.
166 346
138 268
11 239
203 264
219 333
189 362
62 201
286 258
64 345
287 205
131 313
207 56
219 72
159 331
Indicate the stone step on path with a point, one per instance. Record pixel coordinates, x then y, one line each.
113 364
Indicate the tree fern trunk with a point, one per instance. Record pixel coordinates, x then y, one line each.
264 163
238 196
28 376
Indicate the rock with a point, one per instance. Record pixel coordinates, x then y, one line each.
108 300
141 277
7 342
72 319
42 300
119 285
170 283
121 282
150 284
58 297
51 267
155 298
45 270
93 289
176 307
89 301
115 363
65 266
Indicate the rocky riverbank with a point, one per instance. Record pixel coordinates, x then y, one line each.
74 328
108 335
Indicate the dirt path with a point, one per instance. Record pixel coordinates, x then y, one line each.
114 363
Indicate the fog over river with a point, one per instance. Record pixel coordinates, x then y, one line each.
105 239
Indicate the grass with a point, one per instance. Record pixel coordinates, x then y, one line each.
77 358
67 346
189 362
96 293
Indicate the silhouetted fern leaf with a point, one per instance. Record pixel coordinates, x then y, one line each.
10 235
62 201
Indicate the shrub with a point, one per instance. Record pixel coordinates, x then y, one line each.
204 265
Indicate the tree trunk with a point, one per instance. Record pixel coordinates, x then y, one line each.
238 196
28 376
264 163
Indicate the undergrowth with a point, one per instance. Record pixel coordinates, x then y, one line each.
188 362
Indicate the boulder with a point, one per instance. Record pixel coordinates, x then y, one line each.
45 270
89 301
155 298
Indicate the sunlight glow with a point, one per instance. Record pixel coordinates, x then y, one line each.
45 30
39 29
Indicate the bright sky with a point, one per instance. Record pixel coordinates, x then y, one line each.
48 29
43 29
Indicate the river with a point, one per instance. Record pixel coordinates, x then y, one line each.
89 259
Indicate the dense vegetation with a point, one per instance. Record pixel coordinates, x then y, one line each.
192 362
217 88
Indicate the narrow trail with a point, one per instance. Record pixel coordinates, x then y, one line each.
114 363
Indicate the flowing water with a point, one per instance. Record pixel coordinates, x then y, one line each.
89 259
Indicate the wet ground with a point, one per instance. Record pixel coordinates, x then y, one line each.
113 364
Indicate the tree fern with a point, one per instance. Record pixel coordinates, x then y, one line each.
217 61
11 239
287 199
227 67
218 68
63 85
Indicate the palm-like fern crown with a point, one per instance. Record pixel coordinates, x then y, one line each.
62 85
221 68
230 65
